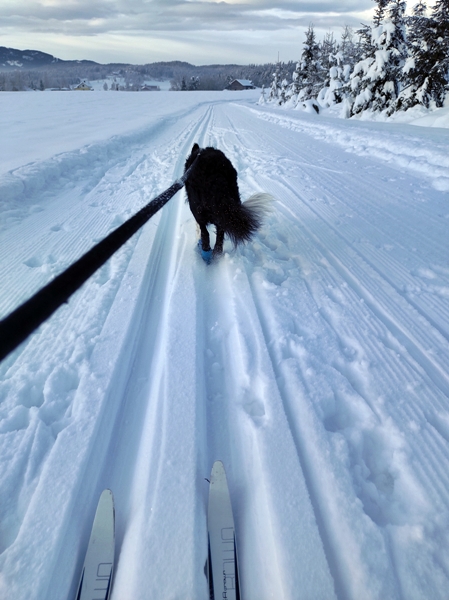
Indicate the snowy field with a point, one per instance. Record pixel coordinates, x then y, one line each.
313 361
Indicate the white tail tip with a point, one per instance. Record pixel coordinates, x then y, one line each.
261 203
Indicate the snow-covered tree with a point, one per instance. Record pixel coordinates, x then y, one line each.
328 50
417 66
275 88
375 80
349 52
284 92
379 13
397 47
296 84
310 75
194 83
438 46
366 47
333 92
426 71
333 82
417 23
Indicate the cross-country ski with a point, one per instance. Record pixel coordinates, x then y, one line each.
96 576
223 577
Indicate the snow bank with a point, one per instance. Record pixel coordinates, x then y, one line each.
425 155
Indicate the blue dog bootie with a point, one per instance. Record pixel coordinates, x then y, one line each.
206 255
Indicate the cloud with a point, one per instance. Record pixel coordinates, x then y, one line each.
175 22
100 16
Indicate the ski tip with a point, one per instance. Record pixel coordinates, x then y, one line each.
106 497
106 507
218 471
96 576
218 464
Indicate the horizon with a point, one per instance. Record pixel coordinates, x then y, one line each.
143 64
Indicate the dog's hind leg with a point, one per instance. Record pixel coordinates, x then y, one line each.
218 249
204 245
205 240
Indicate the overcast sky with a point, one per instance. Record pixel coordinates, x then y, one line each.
197 31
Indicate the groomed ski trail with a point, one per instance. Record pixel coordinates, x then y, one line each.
345 314
311 362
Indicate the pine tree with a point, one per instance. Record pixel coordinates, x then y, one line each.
380 12
366 47
296 84
397 47
437 40
417 23
376 79
284 92
275 89
328 50
194 83
348 52
333 92
310 67
360 83
416 67
426 72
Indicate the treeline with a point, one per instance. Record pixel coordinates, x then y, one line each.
217 77
182 75
396 62
55 76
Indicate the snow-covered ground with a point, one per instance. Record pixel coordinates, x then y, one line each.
313 361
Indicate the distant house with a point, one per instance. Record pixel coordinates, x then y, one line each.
83 87
241 84
150 88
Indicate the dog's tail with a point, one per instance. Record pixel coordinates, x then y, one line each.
242 223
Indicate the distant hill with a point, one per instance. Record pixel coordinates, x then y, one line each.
12 59
32 69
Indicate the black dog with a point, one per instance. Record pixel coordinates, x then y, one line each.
214 198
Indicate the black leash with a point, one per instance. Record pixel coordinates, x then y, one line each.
19 324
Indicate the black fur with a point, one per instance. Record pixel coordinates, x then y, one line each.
214 198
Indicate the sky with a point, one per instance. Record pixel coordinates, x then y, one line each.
197 31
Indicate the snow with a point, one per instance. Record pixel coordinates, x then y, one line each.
312 361
419 152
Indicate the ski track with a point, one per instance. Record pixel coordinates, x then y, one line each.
312 362
355 359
